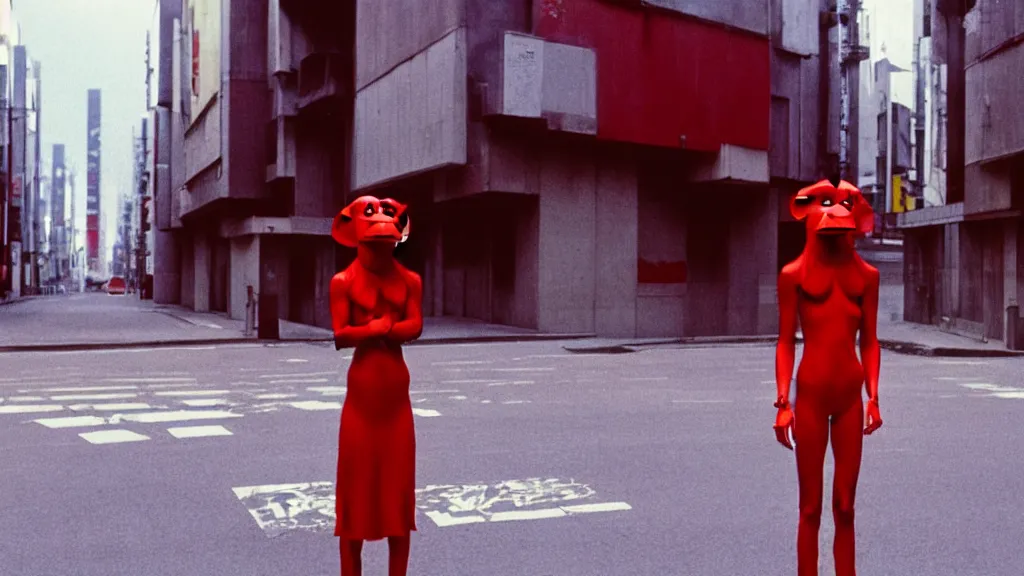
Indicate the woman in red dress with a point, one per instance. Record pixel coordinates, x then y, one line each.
376 307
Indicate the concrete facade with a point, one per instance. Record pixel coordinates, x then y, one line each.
965 260
540 215
544 194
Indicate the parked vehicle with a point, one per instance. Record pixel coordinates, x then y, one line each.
116 285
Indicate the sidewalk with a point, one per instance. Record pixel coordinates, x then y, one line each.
97 321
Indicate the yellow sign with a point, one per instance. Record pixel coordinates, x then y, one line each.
897 194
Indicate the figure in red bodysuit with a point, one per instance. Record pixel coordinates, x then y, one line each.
376 307
835 294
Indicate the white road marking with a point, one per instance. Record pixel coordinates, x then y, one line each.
199 431
193 393
528 514
178 416
1010 395
434 391
516 402
87 388
205 402
597 507
485 401
425 413
301 381
306 375
989 387
539 369
153 380
72 422
275 396
111 407
30 408
962 362
295 360
316 405
952 378
26 399
118 396
444 519
23 379
329 390
461 362
456 397
652 378
112 436
488 381
512 383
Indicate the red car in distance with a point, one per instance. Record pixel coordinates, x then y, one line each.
116 285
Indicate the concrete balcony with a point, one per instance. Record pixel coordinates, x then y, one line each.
546 80
321 78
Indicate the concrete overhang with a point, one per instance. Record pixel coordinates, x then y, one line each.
733 164
546 80
294 226
931 216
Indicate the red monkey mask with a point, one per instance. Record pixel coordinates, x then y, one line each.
368 220
833 209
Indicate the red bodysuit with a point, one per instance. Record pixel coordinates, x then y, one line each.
835 294
375 307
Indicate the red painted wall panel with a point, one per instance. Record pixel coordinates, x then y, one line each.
660 75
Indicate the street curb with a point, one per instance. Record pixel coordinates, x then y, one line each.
900 347
90 346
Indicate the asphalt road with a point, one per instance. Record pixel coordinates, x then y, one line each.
533 461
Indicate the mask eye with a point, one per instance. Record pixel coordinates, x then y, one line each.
826 202
848 204
403 220
369 211
387 210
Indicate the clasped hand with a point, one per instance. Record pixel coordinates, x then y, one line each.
380 326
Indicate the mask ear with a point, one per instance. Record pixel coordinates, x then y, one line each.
343 230
863 214
799 204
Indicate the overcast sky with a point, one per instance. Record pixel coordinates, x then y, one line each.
83 44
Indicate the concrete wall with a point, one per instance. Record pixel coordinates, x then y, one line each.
794 133
753 244
616 306
414 118
389 32
660 238
245 272
567 223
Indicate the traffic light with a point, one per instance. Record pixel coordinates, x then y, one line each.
144 212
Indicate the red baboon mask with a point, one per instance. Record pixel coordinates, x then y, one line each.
830 209
370 220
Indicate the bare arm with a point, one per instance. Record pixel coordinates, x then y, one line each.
785 351
870 351
345 335
412 326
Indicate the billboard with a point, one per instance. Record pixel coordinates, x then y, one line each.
92 189
203 20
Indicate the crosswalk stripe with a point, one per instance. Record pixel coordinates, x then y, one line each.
66 397
199 431
179 416
112 436
72 422
175 393
30 408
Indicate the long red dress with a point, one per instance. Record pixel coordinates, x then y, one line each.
376 489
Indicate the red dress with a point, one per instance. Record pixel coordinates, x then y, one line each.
376 488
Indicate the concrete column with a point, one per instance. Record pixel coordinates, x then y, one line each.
322 287
188 268
1011 229
435 274
566 279
615 268
201 255
166 268
245 272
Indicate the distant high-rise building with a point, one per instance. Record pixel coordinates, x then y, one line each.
58 232
92 192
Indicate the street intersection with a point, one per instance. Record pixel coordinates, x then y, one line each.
531 461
